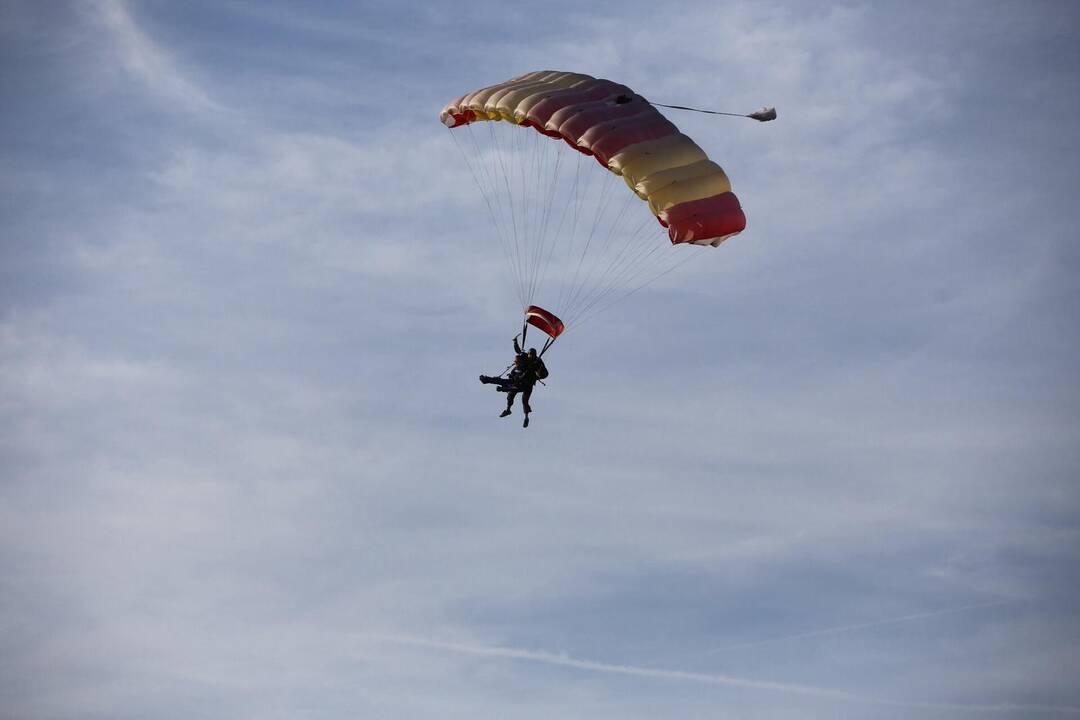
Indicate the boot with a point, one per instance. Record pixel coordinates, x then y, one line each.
505 412
526 423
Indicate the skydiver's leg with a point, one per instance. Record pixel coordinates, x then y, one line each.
526 393
510 395
502 384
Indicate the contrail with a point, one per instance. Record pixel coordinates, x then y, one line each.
861 626
704 678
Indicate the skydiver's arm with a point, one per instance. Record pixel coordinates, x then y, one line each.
517 348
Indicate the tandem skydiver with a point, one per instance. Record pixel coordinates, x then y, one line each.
527 369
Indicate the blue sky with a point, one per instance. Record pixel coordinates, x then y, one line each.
829 471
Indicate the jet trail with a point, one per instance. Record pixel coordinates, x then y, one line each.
861 626
563 660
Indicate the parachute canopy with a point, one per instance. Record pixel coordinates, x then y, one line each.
687 192
574 236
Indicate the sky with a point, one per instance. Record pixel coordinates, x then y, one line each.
829 470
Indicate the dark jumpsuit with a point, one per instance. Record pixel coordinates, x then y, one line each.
521 379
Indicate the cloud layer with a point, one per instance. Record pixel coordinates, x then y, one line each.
247 286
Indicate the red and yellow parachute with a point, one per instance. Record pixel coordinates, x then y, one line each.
687 192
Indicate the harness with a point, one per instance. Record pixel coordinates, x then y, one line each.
510 367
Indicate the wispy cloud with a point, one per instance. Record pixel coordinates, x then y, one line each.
148 63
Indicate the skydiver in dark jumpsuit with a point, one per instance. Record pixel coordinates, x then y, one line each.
522 377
